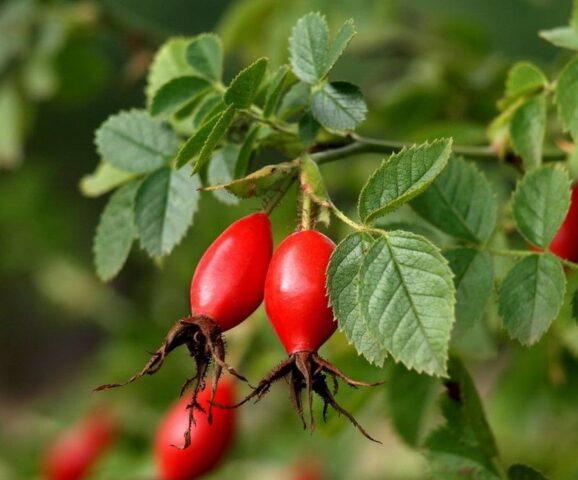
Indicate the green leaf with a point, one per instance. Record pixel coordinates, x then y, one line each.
531 296
242 165
563 37
169 63
401 177
524 472
523 79
410 399
342 39
115 232
566 98
176 93
218 131
407 297
528 130
343 290
474 281
209 107
245 85
257 183
222 170
308 129
193 145
450 458
312 182
308 46
274 91
205 55
296 99
540 204
339 106
134 142
104 179
460 202
164 209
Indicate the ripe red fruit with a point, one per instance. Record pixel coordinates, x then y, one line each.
71 455
295 293
228 282
208 442
565 243
297 305
226 288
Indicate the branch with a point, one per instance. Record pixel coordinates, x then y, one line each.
370 145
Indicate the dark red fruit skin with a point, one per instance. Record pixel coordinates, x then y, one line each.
71 456
295 292
565 243
209 442
228 283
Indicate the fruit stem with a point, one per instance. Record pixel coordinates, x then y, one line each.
306 211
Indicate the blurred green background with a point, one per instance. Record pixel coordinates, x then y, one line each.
427 67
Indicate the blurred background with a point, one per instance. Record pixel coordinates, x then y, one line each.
427 67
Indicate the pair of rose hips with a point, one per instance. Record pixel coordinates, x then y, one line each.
236 272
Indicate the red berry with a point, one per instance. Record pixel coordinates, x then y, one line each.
295 292
228 282
209 442
565 243
72 455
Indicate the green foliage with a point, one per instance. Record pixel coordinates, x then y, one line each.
524 472
401 177
164 209
528 129
567 36
176 93
523 79
566 98
219 129
407 297
540 203
338 106
343 290
275 90
222 170
205 55
134 142
116 232
409 398
460 202
245 85
531 296
104 179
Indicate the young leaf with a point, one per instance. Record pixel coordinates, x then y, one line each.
566 98
531 296
528 129
407 296
460 202
401 177
474 281
524 78
342 39
221 126
339 106
208 108
257 183
222 170
274 91
169 63
410 399
342 287
205 55
193 145
308 129
164 209
104 179
176 93
524 472
312 182
132 141
563 37
245 85
246 151
115 232
308 46
540 204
